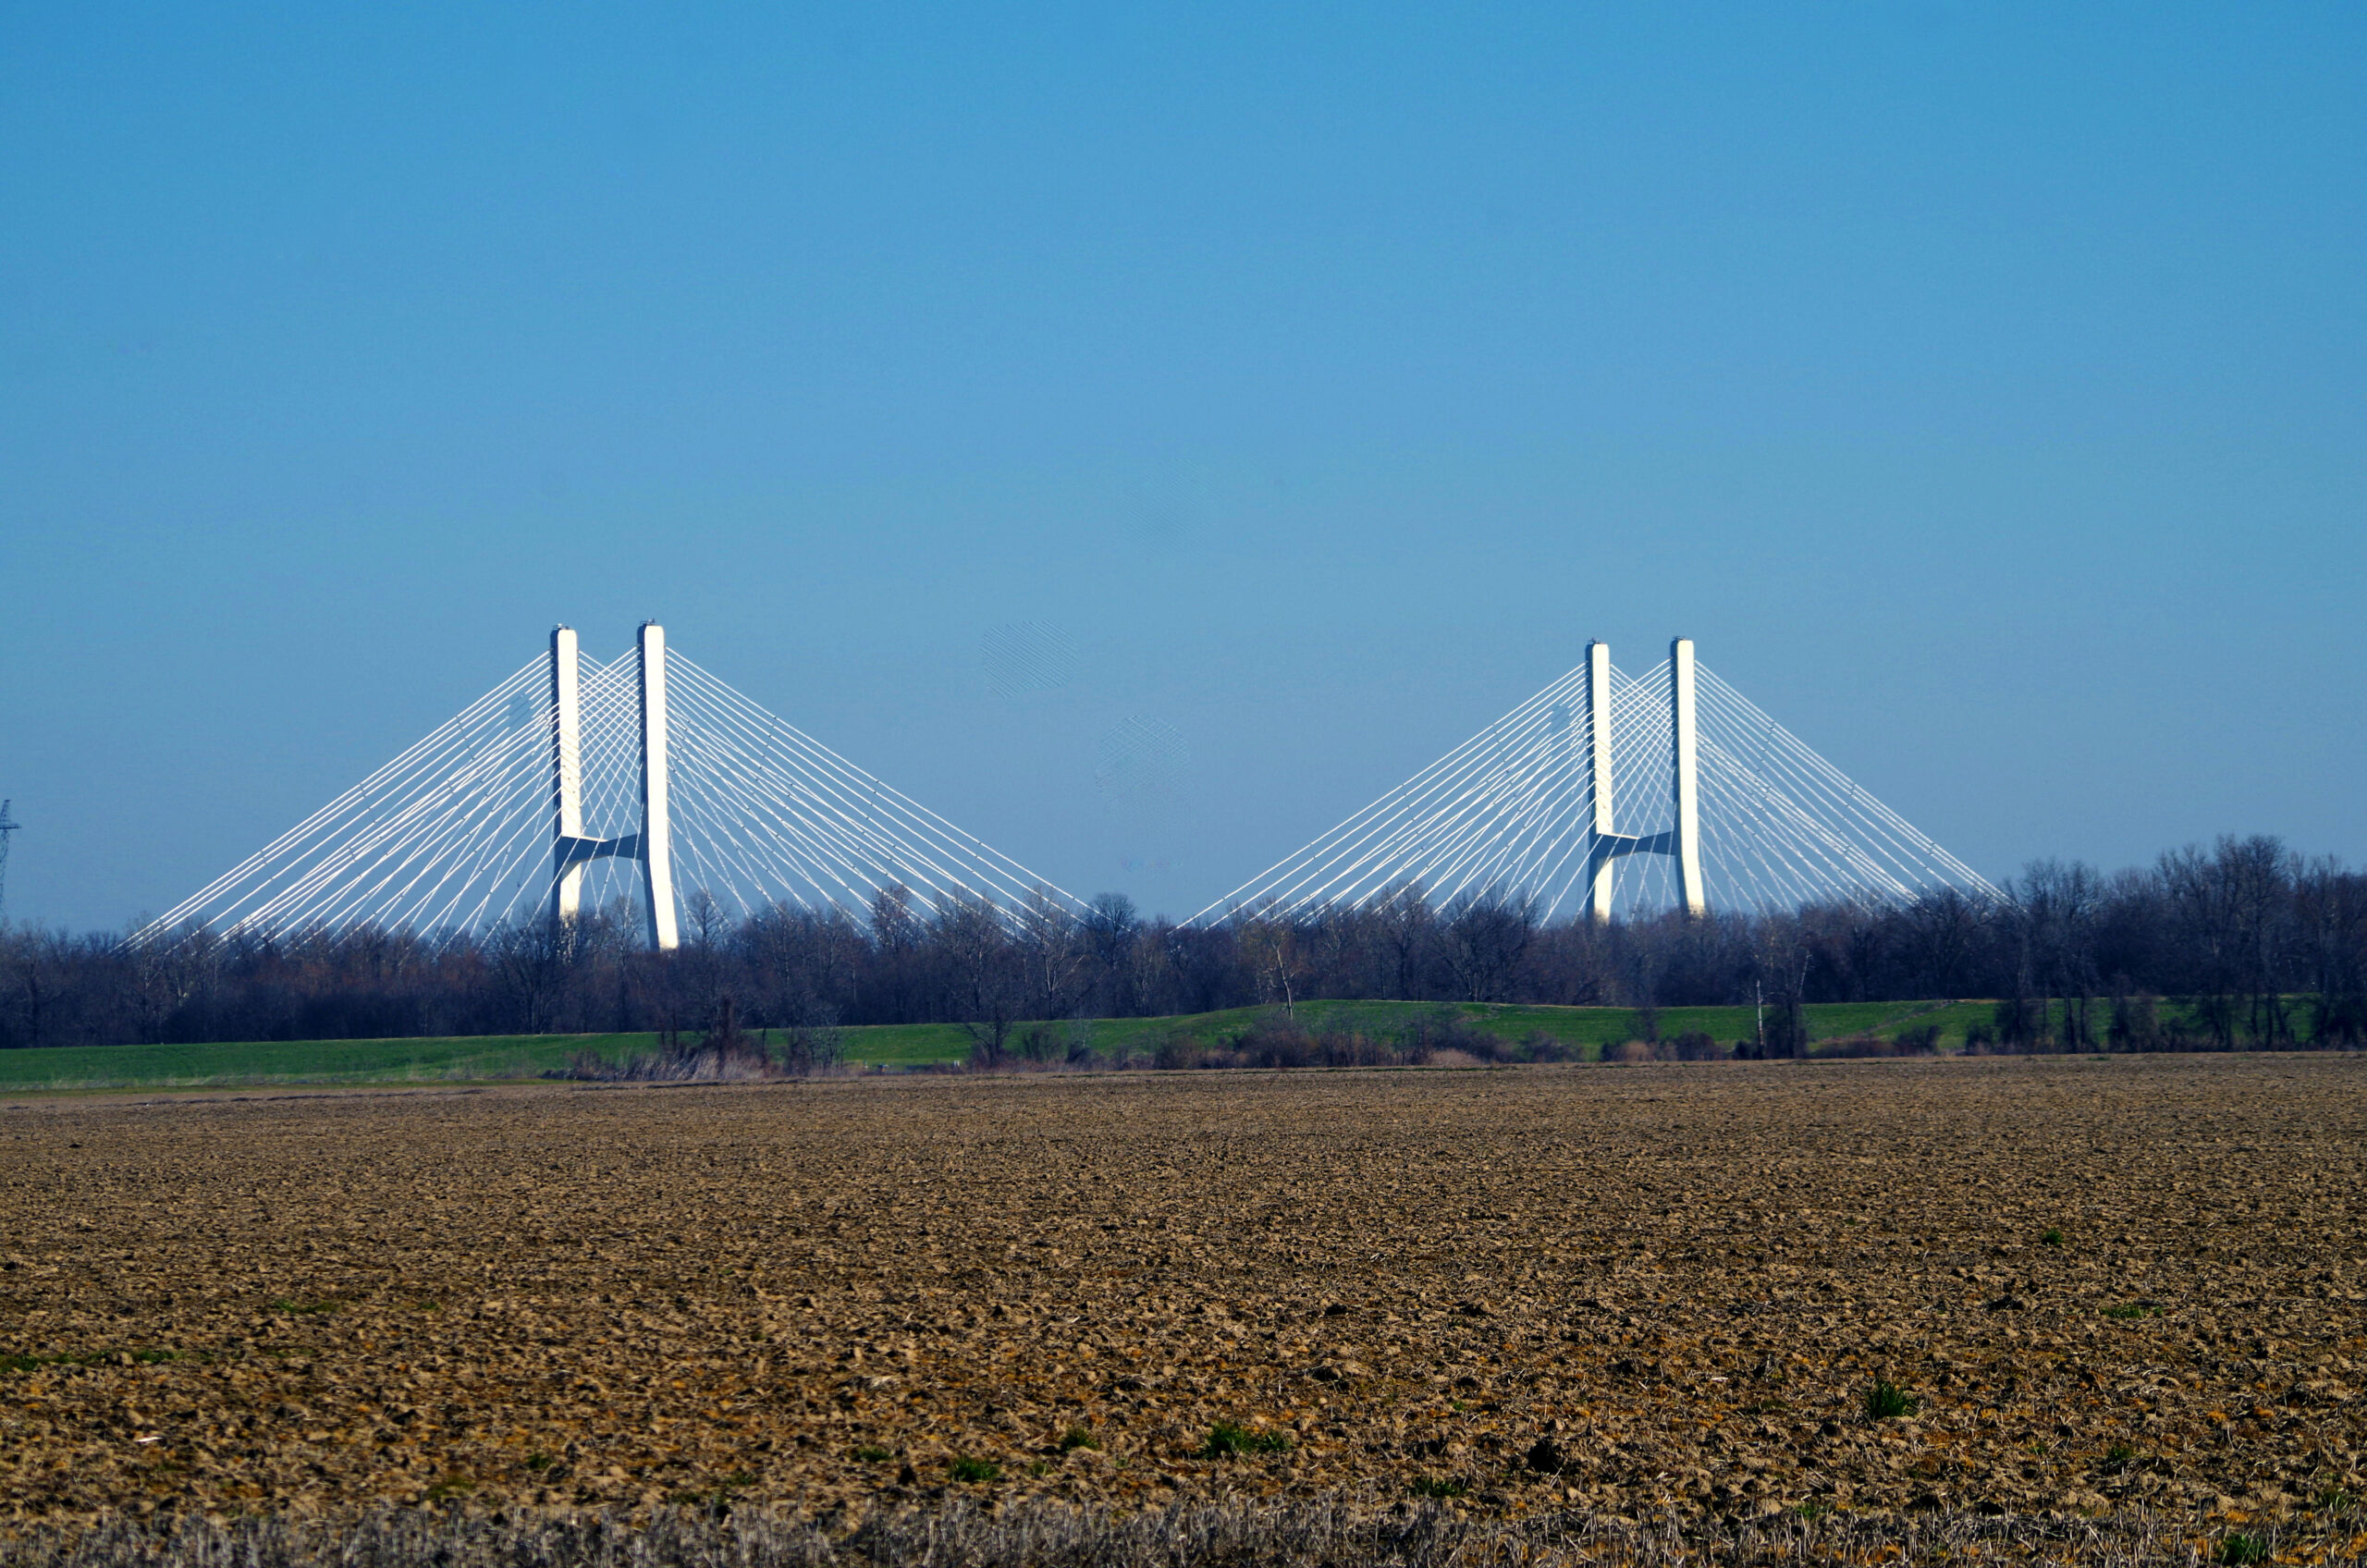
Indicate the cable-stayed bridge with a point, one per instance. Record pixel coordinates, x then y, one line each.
1612 793
576 783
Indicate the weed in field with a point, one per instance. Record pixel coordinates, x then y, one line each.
450 1487
289 1304
2120 1456
2239 1548
872 1453
1040 1467
1886 1400
1811 1509
1438 1487
2132 1309
968 1469
538 1461
2050 1237
2333 1499
1076 1437
1226 1439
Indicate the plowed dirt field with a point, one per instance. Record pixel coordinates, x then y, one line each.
1633 1289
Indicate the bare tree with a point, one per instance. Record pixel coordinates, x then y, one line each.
1409 930
2332 915
1113 930
1277 956
1485 937
1782 956
1052 945
985 981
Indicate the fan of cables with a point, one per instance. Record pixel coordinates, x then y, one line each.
1510 813
455 834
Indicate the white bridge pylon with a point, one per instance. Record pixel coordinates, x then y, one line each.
574 785
1736 813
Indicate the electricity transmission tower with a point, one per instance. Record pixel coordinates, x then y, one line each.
7 824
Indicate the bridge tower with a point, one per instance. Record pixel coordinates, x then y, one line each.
654 845
1683 842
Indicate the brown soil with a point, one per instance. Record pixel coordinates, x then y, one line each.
1632 1291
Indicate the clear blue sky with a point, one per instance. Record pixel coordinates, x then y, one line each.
1980 385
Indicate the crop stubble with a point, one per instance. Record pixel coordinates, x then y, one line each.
1681 1279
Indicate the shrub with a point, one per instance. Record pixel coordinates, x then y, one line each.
2136 1024
1445 1029
1277 1043
1538 1045
1178 1052
1922 1039
724 1053
1886 1400
2021 1025
1853 1046
988 1048
807 1049
1359 1050
1693 1045
1786 1025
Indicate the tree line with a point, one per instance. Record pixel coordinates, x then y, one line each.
2241 944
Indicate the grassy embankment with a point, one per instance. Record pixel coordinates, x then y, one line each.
490 1057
